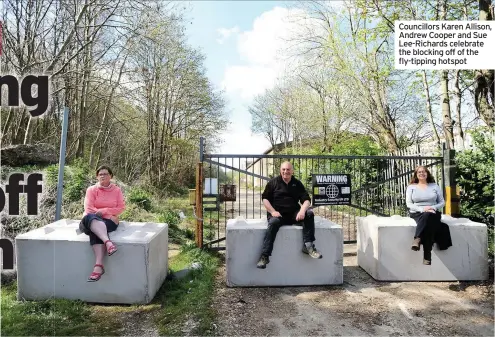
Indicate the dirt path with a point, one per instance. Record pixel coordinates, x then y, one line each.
141 320
361 306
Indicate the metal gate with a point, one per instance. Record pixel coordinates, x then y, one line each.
233 185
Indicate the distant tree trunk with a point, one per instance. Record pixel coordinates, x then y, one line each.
29 130
428 109
448 127
447 120
484 86
7 124
458 95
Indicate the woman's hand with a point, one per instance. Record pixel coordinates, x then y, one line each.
429 209
115 219
99 214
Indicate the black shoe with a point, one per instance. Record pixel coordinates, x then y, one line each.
427 258
312 251
264 260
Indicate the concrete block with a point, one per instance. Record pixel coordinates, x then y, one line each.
384 250
288 265
55 261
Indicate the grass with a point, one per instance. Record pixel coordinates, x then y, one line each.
56 317
178 301
187 302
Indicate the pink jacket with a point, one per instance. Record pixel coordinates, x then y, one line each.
109 201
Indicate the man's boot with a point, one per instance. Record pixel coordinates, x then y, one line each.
415 244
264 260
310 249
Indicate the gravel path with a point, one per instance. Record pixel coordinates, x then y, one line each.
361 306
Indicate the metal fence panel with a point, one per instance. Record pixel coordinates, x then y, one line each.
378 186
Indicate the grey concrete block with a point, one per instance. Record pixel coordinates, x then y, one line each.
288 265
384 251
55 261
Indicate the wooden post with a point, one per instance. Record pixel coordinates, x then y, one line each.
452 195
199 205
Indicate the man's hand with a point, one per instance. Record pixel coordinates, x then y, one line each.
276 214
115 219
300 215
99 214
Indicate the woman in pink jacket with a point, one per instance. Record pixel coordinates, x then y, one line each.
103 204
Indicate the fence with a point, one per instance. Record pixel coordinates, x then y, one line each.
234 184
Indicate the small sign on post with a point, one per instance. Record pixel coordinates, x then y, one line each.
331 189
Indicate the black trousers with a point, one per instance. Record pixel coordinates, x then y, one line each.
428 224
85 224
275 223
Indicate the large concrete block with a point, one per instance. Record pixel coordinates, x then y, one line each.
288 265
55 261
384 250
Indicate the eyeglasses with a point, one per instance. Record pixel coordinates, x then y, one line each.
103 174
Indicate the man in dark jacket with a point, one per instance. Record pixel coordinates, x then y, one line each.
281 199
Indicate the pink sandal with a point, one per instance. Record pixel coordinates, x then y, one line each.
112 249
95 276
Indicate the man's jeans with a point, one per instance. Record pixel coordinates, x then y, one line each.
275 223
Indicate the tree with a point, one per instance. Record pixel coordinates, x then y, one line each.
129 78
484 78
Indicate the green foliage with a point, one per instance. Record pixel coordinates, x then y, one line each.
475 169
475 177
169 217
133 212
51 176
140 197
175 204
77 181
176 234
356 146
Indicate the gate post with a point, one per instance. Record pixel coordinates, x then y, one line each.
452 195
199 196
199 205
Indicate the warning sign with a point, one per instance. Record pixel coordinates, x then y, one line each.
331 189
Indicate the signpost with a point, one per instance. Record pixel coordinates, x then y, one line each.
331 189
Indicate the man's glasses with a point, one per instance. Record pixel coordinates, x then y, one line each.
103 174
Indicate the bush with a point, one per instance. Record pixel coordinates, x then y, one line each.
169 217
77 182
133 213
475 177
140 197
51 176
175 233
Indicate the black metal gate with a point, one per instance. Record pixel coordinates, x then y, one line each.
234 183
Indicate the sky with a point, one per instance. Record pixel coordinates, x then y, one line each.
240 40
